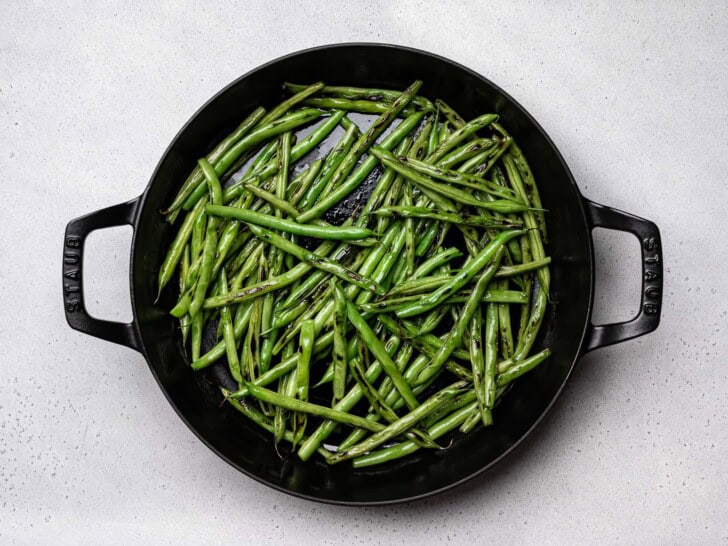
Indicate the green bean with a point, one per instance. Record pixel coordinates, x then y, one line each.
229 336
228 237
316 261
409 227
282 369
481 168
250 353
438 200
490 296
368 138
397 273
466 151
350 400
284 157
358 371
461 134
351 347
417 284
280 205
450 114
196 176
514 270
432 321
386 391
522 367
298 151
408 147
454 338
425 343
197 241
185 323
377 348
487 393
427 184
290 102
285 206
370 263
527 288
265 155
427 239
279 416
386 264
359 175
208 252
504 323
339 354
475 343
378 403
400 425
516 155
306 343
449 407
252 256
444 132
383 184
233 170
229 255
182 306
317 277
486 418
332 162
302 183
265 395
461 279
266 318
483 161
513 247
408 447
419 144
537 313
361 106
240 323
289 226
260 134
274 283
434 138
461 218
361 93
390 198
177 247
258 418
320 304
196 336
418 149
287 387
184 267
460 179
282 318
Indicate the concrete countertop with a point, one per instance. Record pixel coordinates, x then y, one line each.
634 452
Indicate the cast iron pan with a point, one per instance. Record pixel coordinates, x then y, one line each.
567 328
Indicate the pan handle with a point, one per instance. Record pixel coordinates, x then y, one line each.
76 232
648 317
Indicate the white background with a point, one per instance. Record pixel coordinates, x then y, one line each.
634 452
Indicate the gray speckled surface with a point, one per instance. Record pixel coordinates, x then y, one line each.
636 449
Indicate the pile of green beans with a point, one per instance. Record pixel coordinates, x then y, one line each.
403 322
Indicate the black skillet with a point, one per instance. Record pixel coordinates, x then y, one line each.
567 328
